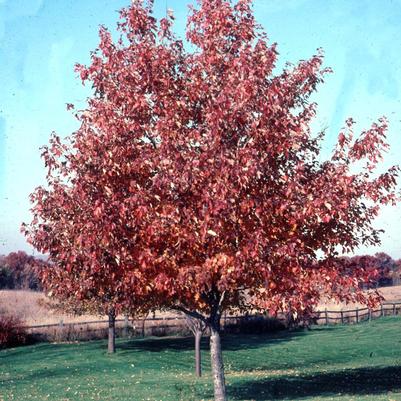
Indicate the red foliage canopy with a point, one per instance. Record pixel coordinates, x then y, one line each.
194 180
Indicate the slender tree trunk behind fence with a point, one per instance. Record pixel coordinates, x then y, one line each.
198 355
143 325
197 328
126 326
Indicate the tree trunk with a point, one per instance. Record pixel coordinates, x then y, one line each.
197 326
111 348
198 360
216 359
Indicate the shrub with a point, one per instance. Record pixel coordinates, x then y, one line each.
6 278
12 332
20 271
253 325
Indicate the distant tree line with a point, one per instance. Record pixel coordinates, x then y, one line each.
18 270
385 270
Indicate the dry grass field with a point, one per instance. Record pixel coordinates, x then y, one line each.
390 294
32 307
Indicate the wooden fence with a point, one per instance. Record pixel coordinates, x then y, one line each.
357 315
161 326
67 331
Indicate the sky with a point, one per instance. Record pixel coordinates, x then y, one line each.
41 40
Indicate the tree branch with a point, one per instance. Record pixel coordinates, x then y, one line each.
223 295
195 325
193 314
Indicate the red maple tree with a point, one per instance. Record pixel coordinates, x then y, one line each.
195 181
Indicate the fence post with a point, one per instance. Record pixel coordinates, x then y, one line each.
143 326
327 317
126 326
59 335
342 317
370 314
382 310
393 309
357 314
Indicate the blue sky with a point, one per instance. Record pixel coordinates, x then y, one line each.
41 40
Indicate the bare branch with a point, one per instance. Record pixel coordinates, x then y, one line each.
195 325
193 314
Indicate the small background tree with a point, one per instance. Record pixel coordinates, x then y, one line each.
20 271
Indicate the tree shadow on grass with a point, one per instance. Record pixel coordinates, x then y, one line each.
153 344
231 342
235 342
362 381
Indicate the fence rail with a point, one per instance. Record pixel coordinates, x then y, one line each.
62 323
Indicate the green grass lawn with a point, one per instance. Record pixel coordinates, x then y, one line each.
360 362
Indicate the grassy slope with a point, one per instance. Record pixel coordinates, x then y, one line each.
346 363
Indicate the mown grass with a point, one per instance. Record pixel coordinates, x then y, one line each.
360 362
